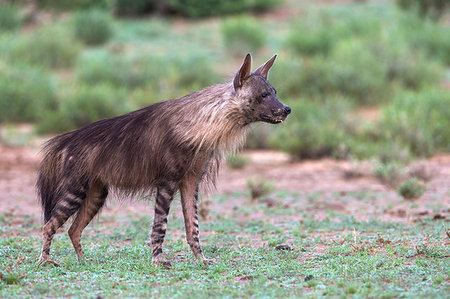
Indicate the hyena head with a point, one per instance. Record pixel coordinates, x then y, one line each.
257 97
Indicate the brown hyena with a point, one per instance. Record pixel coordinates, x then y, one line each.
166 147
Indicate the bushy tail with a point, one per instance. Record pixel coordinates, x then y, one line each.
49 177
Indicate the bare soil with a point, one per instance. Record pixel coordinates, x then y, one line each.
317 185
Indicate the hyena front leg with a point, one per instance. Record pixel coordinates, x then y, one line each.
65 208
164 198
92 204
189 198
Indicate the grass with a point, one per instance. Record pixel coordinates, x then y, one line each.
336 256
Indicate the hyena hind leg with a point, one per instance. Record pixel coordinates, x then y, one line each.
164 198
92 204
61 212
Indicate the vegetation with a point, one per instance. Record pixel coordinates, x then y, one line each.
335 256
243 33
10 18
93 27
333 61
411 189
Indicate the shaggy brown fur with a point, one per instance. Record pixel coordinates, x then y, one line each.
169 146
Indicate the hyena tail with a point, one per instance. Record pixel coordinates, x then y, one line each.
49 179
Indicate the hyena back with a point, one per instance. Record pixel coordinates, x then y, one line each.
167 147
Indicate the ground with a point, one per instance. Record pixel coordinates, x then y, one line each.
328 227
327 177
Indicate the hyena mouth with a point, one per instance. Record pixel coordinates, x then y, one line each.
273 119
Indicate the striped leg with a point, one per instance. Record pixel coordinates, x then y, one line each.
189 198
164 198
63 210
90 207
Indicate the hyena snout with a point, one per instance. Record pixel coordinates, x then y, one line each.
284 111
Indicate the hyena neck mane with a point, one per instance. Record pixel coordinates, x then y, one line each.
210 120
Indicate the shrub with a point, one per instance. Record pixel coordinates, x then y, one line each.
237 161
25 93
432 38
389 174
136 7
314 130
162 73
311 38
96 67
259 188
10 18
419 121
74 4
317 33
86 104
206 8
47 46
411 189
93 27
242 35
91 103
425 8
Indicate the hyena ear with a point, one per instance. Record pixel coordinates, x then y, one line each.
263 70
244 72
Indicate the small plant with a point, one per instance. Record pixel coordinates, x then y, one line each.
93 27
10 18
10 278
207 8
237 161
321 131
84 105
259 188
26 93
243 34
411 189
48 46
389 174
418 121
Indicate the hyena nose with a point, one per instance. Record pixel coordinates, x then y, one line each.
287 110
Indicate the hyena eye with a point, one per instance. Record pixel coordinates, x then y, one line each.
264 95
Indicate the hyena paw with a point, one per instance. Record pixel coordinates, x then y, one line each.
43 262
159 262
83 260
208 262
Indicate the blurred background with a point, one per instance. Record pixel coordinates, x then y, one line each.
365 79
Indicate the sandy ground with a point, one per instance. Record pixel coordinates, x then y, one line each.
342 186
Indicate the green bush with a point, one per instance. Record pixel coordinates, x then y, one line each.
243 34
10 18
317 33
136 7
75 4
48 46
26 93
425 8
411 189
432 38
367 71
85 104
237 161
160 72
96 67
419 121
207 8
93 27
314 130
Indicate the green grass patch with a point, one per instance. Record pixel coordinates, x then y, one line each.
363 258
